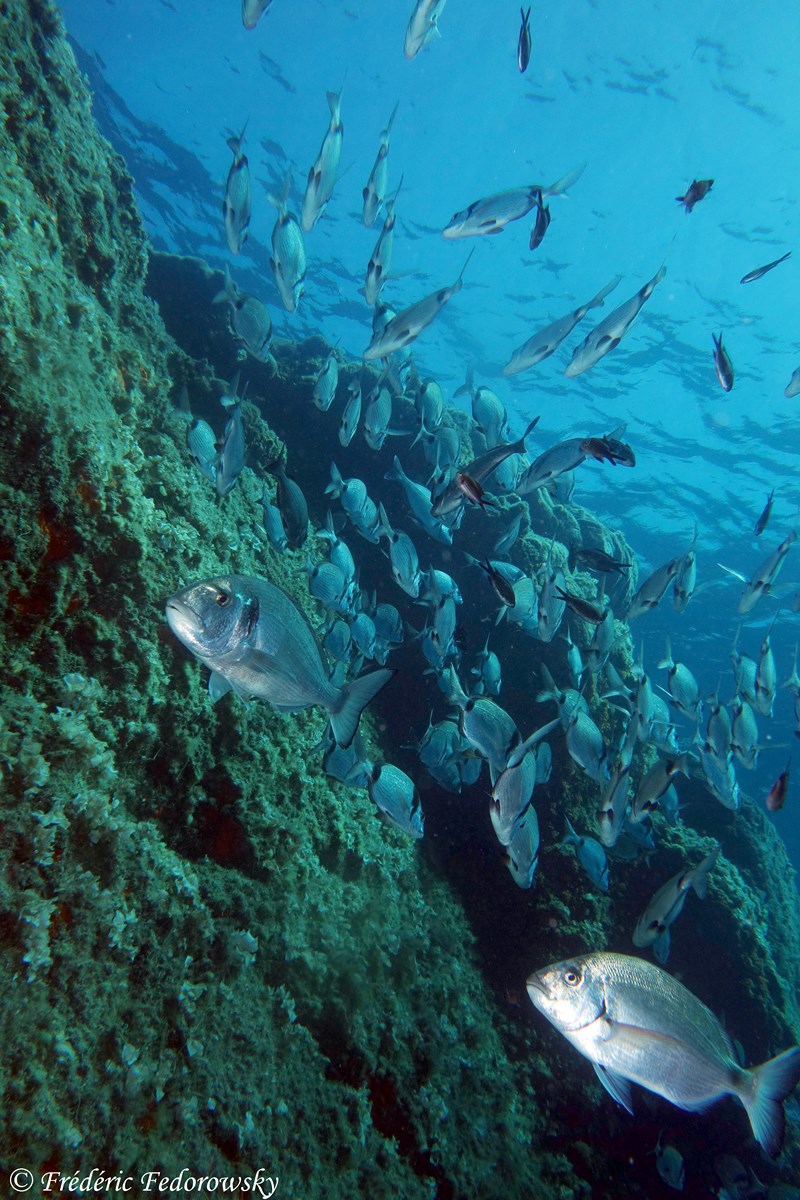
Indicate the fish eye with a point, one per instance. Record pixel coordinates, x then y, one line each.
571 978
222 599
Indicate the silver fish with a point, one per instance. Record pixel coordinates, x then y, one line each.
522 854
720 777
766 680
506 540
429 403
250 319
253 11
488 672
590 855
722 364
351 415
574 661
492 213
375 191
486 726
637 1024
551 606
402 556
231 457
744 734
423 26
586 747
479 470
236 201
610 332
203 448
406 326
327 583
489 414
654 784
322 176
601 644
377 417
545 341
682 685
651 591
326 383
760 272
614 802
686 577
340 552
511 796
380 261
670 1166
564 456
667 903
273 524
761 583
392 791
291 504
793 386
257 642
419 501
288 261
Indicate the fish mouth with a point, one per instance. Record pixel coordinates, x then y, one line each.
182 617
536 984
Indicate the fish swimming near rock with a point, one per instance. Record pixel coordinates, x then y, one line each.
236 201
257 642
696 191
288 260
292 505
380 261
406 326
777 793
231 456
637 1024
250 318
375 190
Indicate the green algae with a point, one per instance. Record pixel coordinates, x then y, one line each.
226 960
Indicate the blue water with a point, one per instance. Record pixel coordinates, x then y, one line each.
648 100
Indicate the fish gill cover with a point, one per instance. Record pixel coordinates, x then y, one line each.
233 940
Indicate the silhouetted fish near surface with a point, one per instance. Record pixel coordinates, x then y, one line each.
543 343
423 26
696 190
322 176
257 642
722 364
492 213
406 326
541 224
524 41
766 512
637 1024
752 276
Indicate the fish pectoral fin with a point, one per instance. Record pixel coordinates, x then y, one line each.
616 1085
218 686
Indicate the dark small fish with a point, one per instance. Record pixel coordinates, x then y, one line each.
722 364
291 505
777 793
473 490
752 276
582 608
503 589
596 560
697 189
763 520
524 43
609 449
542 223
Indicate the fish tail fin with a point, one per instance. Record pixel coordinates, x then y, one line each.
395 471
336 484
771 1083
667 662
227 294
597 301
335 102
550 691
699 880
353 699
390 122
280 201
519 447
559 188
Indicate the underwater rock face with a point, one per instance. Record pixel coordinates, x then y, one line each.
211 954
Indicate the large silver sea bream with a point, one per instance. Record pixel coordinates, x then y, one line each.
636 1024
257 642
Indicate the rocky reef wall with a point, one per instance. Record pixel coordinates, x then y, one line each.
212 955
